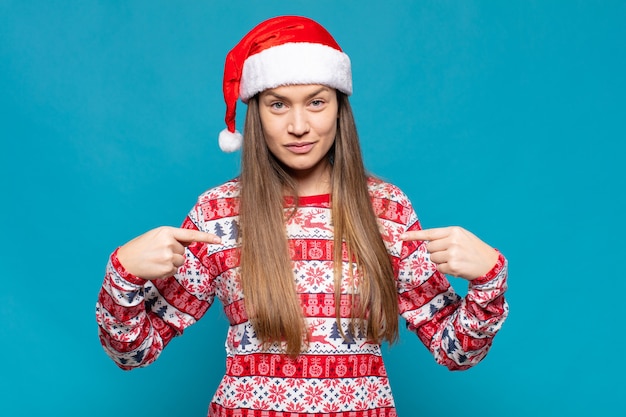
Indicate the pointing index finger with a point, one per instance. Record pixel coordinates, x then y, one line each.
425 234
189 236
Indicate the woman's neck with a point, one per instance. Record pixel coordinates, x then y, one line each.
316 182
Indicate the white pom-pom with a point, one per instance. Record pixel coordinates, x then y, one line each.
229 141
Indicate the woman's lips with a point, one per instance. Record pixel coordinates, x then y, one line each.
300 148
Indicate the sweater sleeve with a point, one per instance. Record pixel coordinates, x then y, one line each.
138 318
457 330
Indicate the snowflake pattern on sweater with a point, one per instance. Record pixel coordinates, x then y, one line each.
335 376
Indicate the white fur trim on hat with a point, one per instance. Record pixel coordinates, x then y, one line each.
229 141
295 63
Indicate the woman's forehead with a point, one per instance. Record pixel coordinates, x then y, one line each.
299 90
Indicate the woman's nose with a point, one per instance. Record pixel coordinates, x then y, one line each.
298 124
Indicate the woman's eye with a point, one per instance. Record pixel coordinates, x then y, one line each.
277 105
317 103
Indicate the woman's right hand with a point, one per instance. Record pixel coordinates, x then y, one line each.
159 252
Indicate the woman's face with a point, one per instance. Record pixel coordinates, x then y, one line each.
300 123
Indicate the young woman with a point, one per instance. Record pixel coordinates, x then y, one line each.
312 259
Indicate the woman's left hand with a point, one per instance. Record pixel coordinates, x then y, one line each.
456 251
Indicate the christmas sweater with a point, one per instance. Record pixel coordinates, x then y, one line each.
335 376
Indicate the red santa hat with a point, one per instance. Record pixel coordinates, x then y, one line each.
285 50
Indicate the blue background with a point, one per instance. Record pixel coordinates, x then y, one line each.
507 118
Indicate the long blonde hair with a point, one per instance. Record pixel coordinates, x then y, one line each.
266 269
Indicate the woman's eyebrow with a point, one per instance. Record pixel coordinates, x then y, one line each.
275 95
316 92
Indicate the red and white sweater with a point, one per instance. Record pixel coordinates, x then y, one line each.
334 377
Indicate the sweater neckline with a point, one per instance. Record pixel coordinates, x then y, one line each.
309 200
